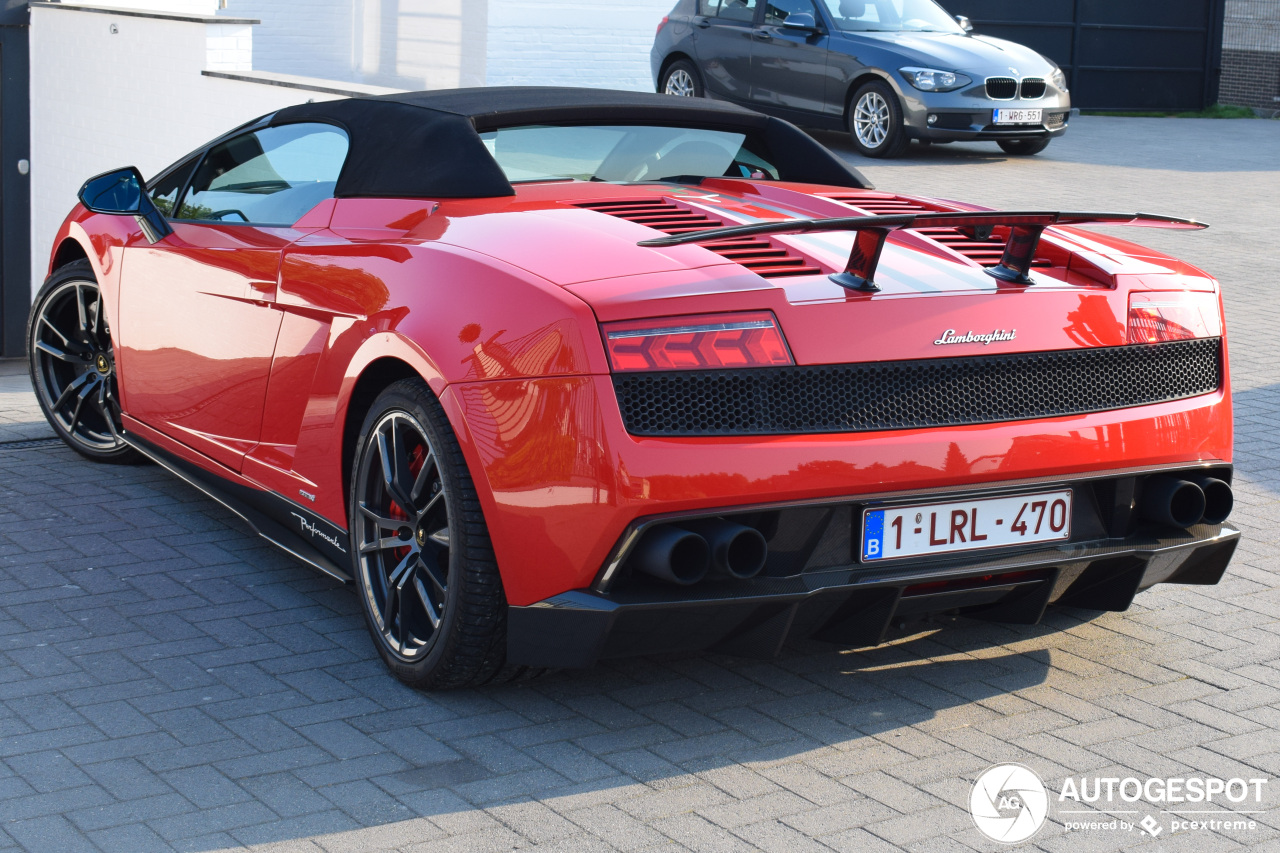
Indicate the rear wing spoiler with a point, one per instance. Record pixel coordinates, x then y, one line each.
1025 229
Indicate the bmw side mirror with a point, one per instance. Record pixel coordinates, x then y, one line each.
965 23
802 22
122 193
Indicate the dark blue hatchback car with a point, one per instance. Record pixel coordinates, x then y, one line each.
888 71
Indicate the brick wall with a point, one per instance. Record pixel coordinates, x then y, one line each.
1251 54
1250 78
313 39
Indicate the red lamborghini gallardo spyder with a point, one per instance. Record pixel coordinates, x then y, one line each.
557 375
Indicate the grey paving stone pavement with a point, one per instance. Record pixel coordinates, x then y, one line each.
170 682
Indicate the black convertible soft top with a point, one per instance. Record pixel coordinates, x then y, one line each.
427 144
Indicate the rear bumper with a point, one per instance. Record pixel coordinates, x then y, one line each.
857 605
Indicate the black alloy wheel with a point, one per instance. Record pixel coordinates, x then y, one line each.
72 364
425 572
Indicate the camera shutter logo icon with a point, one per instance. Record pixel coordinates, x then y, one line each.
1009 803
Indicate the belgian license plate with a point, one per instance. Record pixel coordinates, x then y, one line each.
939 528
1016 116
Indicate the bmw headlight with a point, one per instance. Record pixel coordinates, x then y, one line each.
933 80
1058 79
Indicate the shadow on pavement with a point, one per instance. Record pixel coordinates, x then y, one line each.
165 672
1188 145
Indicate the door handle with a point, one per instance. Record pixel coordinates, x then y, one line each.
701 22
762 35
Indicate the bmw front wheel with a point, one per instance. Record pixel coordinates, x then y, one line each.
73 366
425 571
875 121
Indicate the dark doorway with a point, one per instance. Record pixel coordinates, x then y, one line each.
15 193
1118 54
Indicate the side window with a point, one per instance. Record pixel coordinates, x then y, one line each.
709 8
778 11
268 177
737 10
164 192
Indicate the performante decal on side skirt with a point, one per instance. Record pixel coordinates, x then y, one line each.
267 513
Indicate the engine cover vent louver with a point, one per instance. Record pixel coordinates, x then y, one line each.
986 253
755 253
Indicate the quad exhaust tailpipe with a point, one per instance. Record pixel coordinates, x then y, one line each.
1184 501
737 551
1173 501
1218 498
686 553
673 555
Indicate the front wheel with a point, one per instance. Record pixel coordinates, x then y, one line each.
681 79
875 121
73 366
1023 147
425 570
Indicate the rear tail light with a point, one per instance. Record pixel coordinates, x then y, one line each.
662 24
699 342
1156 317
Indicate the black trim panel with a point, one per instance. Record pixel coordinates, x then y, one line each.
581 627
291 528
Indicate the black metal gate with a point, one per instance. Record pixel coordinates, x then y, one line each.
1118 54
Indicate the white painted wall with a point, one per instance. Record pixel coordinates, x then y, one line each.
437 44
100 100
406 44
563 43
136 97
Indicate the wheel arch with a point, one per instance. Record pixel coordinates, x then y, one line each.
672 58
68 251
862 79
376 376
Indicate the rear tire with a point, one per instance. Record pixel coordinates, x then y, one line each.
425 570
1023 147
875 121
681 79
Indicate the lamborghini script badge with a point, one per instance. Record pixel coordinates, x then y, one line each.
950 337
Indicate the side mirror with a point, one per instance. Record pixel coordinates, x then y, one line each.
122 193
965 23
802 22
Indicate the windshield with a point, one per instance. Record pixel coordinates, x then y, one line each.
891 16
623 153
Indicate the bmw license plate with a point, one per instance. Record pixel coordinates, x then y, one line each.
1016 116
922 529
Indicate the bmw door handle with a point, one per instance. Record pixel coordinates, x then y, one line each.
762 35
701 22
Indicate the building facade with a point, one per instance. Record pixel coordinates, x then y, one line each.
1251 55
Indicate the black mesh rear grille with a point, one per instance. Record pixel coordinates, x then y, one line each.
1002 88
1033 87
908 394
